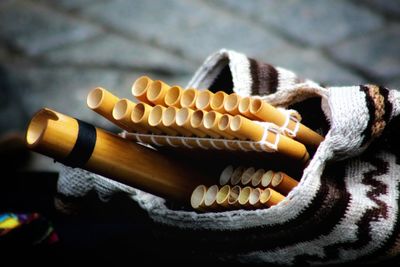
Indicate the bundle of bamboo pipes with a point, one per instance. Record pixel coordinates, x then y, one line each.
171 111
243 188
190 116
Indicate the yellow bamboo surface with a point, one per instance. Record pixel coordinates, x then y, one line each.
54 134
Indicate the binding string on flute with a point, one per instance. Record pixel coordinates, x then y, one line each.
170 117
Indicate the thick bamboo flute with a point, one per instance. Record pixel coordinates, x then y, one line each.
81 145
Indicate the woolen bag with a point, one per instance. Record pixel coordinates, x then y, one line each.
346 206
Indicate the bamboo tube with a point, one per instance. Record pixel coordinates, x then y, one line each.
223 125
203 100
223 196
267 112
210 200
183 117
255 132
244 197
236 175
156 92
188 98
231 104
254 198
246 176
283 183
244 108
140 87
196 121
169 121
56 135
233 199
256 177
173 96
210 122
226 175
217 101
155 120
270 197
102 101
267 178
122 112
140 116
197 198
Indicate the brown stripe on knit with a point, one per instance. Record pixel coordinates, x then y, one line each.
388 105
319 218
371 111
331 252
379 102
264 77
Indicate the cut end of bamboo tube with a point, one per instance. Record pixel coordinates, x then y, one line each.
247 175
197 118
140 86
244 195
95 97
156 92
223 123
198 197
203 100
211 195
236 123
173 96
277 179
209 119
121 109
244 105
188 98
234 195
226 175
217 101
38 125
223 195
254 197
155 115
236 175
255 105
169 116
231 104
267 178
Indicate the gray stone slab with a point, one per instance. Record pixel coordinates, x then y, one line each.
115 51
35 29
313 22
312 64
377 54
191 28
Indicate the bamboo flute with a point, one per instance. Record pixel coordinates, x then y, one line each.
210 200
210 122
247 175
236 175
196 121
140 87
188 98
169 121
226 175
156 92
231 104
217 101
102 102
79 144
155 120
203 100
267 178
255 132
140 116
283 183
197 198
244 197
183 118
267 112
256 177
122 112
173 96
270 197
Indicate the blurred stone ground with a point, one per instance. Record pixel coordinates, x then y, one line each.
53 52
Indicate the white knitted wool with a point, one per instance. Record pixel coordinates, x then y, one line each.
368 185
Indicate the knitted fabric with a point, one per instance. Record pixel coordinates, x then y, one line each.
346 206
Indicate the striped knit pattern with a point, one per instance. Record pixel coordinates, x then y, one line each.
346 206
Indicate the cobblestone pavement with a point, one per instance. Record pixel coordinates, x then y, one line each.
53 52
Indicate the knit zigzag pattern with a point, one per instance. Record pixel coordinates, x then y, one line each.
345 207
